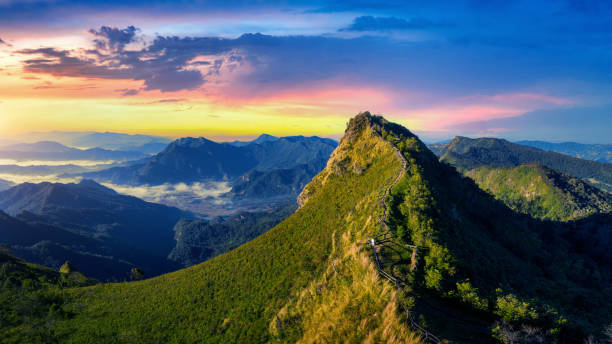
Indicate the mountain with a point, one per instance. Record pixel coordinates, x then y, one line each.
190 160
445 257
103 232
118 141
67 171
106 140
107 234
97 211
198 240
51 246
148 148
247 294
40 147
597 152
465 154
261 139
5 184
46 150
185 160
282 182
542 192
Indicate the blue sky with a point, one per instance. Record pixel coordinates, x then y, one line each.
515 69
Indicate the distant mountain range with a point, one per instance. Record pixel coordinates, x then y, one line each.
48 150
190 160
95 210
91 223
5 184
261 139
105 234
107 140
466 154
597 152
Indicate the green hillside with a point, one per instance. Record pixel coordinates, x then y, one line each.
313 266
542 192
466 154
471 270
480 264
32 297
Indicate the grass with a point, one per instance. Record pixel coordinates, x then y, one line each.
235 297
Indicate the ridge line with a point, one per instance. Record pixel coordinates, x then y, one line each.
385 233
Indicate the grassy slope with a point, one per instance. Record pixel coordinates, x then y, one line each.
235 297
541 192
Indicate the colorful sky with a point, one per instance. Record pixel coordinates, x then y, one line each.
226 69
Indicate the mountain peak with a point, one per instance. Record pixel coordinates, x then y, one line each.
264 138
192 141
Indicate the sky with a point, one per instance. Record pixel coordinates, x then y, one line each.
233 69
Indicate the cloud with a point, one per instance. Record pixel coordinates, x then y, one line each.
51 178
164 65
257 65
3 42
80 163
44 85
128 92
180 194
370 23
114 38
172 100
61 63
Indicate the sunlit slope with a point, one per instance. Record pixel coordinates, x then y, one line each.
244 296
542 192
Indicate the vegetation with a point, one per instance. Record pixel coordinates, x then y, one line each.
479 257
287 183
466 154
541 192
235 297
197 240
483 272
32 299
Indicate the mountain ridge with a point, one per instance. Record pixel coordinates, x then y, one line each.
466 153
596 152
273 268
197 159
313 277
50 150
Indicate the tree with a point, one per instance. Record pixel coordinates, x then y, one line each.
67 268
137 274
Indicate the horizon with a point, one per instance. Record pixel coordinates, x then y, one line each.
235 70
246 138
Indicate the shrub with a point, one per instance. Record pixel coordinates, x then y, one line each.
514 310
469 294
